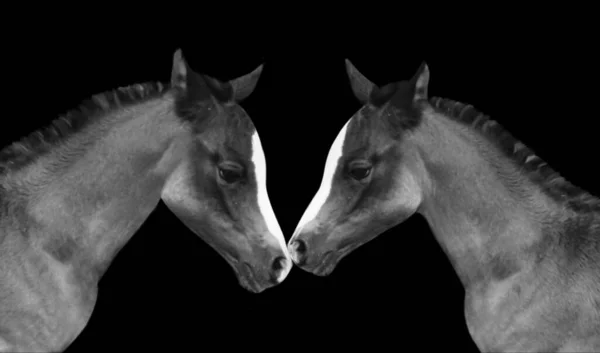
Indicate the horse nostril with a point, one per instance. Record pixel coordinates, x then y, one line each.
299 246
278 264
298 251
277 267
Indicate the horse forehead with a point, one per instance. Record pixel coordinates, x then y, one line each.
233 129
364 131
241 141
331 165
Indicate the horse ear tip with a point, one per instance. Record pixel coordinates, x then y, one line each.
178 56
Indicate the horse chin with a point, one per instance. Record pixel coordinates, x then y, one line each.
331 259
243 271
250 280
247 279
327 264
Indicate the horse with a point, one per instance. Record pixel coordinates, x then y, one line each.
524 242
74 193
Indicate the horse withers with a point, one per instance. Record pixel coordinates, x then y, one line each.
524 242
72 195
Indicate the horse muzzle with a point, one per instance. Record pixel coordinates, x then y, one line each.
320 263
258 278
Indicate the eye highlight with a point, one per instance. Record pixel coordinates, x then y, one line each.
230 173
359 170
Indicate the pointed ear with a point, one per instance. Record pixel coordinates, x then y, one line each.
421 82
179 71
218 87
244 85
361 86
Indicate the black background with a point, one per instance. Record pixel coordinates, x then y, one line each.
168 289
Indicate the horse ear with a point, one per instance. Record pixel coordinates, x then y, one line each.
179 71
244 85
218 86
361 86
421 82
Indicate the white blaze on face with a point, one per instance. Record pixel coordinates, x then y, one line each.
264 205
335 152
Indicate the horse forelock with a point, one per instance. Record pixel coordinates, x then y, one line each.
201 93
379 123
396 102
19 154
528 163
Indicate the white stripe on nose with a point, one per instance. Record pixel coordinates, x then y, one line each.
335 152
264 205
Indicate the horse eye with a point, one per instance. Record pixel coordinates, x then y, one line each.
360 173
230 176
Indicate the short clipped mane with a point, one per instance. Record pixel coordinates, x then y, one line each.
20 154
538 171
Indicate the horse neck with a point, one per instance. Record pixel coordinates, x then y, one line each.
477 219
89 209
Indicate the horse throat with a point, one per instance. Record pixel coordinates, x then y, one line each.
483 230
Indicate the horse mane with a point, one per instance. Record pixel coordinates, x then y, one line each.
21 153
538 171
